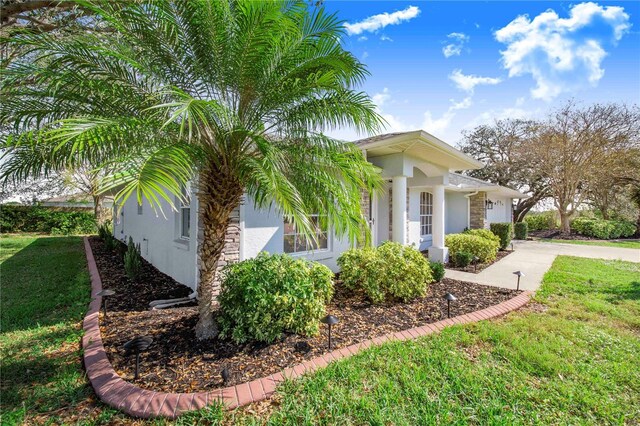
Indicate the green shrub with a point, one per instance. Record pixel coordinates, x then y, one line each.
504 230
132 260
484 233
541 221
361 269
484 248
603 229
391 271
46 220
462 259
521 230
437 271
266 296
105 230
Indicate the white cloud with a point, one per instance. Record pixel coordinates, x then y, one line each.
385 38
562 54
437 126
468 83
380 98
363 38
456 43
365 55
377 22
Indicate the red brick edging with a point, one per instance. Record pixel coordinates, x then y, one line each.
137 402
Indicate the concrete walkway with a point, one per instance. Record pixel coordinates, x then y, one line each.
534 258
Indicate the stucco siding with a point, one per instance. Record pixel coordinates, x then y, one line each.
501 211
456 212
159 239
263 230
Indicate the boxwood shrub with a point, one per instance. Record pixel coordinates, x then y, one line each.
484 248
437 271
391 271
504 230
264 297
521 230
462 259
603 229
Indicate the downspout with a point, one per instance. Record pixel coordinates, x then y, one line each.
467 196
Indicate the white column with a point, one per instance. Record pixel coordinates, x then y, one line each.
399 209
438 252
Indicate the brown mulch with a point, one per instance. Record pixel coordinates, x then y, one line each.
178 362
474 270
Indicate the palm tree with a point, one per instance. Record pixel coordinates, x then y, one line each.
236 95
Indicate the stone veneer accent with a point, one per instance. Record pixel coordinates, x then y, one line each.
477 218
111 389
231 251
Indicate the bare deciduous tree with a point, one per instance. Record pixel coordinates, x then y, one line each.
504 148
576 142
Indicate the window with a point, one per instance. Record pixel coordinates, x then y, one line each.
185 214
296 243
426 213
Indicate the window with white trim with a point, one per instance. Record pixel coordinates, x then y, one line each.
426 213
294 242
185 214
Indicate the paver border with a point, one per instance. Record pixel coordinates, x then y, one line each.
114 391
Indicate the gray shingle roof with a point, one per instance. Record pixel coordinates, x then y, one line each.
461 180
377 138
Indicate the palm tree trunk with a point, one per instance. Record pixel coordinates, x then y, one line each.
218 196
97 208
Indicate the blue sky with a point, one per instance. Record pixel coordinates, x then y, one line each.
449 66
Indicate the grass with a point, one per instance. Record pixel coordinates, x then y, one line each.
45 292
571 358
632 244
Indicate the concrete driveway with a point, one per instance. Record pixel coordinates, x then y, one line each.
534 258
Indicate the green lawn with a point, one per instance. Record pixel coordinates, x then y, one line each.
632 244
45 291
570 358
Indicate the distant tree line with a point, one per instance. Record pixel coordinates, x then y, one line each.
576 156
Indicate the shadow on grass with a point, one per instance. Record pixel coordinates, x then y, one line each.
44 283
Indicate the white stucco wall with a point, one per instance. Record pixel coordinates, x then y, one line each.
159 238
263 230
501 211
456 212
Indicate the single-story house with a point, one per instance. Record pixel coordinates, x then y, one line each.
424 199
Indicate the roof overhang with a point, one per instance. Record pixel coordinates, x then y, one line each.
423 146
493 189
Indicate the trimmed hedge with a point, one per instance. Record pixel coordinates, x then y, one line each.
264 297
391 271
541 221
521 230
484 248
484 233
603 229
46 220
504 230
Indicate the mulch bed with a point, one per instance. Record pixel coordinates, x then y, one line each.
475 269
178 362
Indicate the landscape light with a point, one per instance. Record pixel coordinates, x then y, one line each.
475 263
449 298
225 375
329 320
104 294
137 345
519 274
